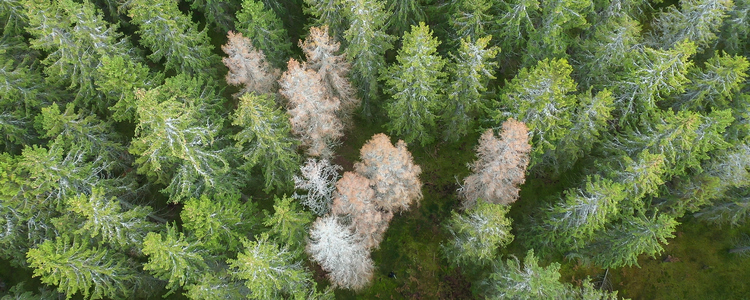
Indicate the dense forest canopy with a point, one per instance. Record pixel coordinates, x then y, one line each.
321 149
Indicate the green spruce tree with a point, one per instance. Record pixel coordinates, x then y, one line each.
416 83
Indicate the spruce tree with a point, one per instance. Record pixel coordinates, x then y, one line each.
107 221
471 70
288 223
582 212
217 12
715 85
219 222
173 257
76 38
270 271
265 30
416 83
175 140
265 140
621 244
74 268
404 14
511 280
553 33
541 97
471 20
119 78
697 21
368 43
515 22
172 36
476 234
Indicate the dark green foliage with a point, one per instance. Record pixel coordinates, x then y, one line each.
217 12
265 31
471 70
476 234
515 22
368 43
219 223
265 140
172 36
14 130
553 34
12 17
733 209
416 84
404 14
610 47
736 28
22 92
76 268
621 244
697 21
288 224
470 20
328 13
19 292
23 89
76 39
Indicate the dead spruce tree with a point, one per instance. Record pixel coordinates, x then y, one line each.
320 50
311 110
354 199
384 182
318 179
392 172
500 166
248 67
338 251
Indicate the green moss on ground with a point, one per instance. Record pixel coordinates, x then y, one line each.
695 265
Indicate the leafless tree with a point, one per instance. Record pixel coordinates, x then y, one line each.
392 173
354 198
320 50
500 167
336 249
312 112
248 67
318 179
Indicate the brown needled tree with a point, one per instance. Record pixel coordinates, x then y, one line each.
248 67
312 112
320 50
392 173
355 198
500 167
